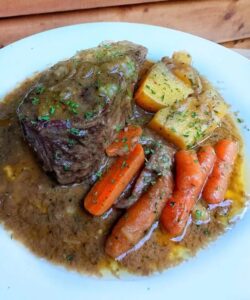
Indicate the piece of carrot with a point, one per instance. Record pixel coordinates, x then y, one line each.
133 225
125 141
191 174
188 182
206 156
216 186
188 170
105 191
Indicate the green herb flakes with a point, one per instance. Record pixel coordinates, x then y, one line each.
52 110
149 151
70 257
198 214
35 100
118 128
124 164
71 142
98 174
88 115
44 118
74 131
66 167
39 89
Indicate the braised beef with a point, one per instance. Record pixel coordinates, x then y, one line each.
72 112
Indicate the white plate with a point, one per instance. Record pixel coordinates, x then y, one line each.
221 271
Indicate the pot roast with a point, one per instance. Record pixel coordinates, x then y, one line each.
75 108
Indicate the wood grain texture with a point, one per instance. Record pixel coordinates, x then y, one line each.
243 44
220 21
27 7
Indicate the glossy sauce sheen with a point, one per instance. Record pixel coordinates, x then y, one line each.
50 220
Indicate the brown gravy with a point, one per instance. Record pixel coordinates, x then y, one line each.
49 219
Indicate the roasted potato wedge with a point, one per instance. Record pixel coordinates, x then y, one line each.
188 123
161 88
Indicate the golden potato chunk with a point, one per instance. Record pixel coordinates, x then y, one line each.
189 123
161 88
182 57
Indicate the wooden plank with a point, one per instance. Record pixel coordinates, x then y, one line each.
219 21
10 8
243 44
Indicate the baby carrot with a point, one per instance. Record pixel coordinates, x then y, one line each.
139 217
125 141
188 170
206 156
216 186
105 191
191 174
187 186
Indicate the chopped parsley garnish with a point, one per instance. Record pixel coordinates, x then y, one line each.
88 115
74 111
198 214
118 128
193 114
71 106
71 142
149 151
66 167
124 140
124 164
44 118
52 110
39 89
239 120
35 101
69 257
71 103
74 131
98 174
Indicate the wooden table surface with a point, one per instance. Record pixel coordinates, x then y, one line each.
223 21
